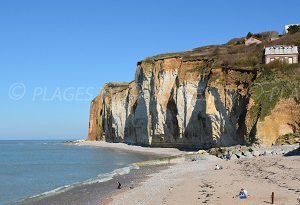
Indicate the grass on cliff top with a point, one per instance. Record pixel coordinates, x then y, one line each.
232 54
117 84
276 81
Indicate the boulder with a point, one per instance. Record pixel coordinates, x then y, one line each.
236 152
267 152
220 155
279 152
244 149
247 154
242 156
202 151
255 153
233 157
239 155
213 151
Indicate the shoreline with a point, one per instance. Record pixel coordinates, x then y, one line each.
96 193
179 177
93 193
132 148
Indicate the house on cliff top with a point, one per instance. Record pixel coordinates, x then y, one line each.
285 53
252 40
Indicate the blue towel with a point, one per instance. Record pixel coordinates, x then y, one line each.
243 196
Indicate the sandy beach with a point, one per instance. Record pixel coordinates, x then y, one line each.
132 148
187 178
96 193
196 182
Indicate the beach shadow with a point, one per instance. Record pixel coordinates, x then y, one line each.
267 202
295 152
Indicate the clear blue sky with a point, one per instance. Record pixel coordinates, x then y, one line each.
57 48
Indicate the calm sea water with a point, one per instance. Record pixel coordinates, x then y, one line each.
29 168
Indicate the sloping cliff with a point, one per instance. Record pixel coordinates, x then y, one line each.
203 98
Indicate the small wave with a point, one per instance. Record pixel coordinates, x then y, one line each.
108 176
100 178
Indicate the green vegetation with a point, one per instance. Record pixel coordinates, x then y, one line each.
293 29
292 138
276 81
240 77
257 35
203 69
235 52
247 60
282 66
118 84
249 35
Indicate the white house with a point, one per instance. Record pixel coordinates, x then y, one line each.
281 52
286 27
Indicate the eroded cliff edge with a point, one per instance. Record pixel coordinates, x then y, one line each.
207 97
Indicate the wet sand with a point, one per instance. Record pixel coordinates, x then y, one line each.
98 193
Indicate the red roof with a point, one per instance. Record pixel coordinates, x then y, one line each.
253 37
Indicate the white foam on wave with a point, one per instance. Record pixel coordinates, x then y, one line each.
100 178
108 176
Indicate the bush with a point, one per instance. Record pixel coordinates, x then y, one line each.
292 138
282 66
247 60
249 35
259 36
277 64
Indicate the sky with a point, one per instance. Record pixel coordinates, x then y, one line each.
55 55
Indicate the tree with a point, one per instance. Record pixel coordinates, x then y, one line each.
258 35
293 29
249 34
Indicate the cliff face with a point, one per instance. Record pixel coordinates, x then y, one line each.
188 101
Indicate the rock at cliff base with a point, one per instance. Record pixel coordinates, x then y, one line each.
202 152
255 153
267 153
247 154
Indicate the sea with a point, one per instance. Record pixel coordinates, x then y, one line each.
38 168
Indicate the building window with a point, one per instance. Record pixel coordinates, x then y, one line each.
290 60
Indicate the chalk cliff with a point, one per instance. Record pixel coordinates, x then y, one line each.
207 97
